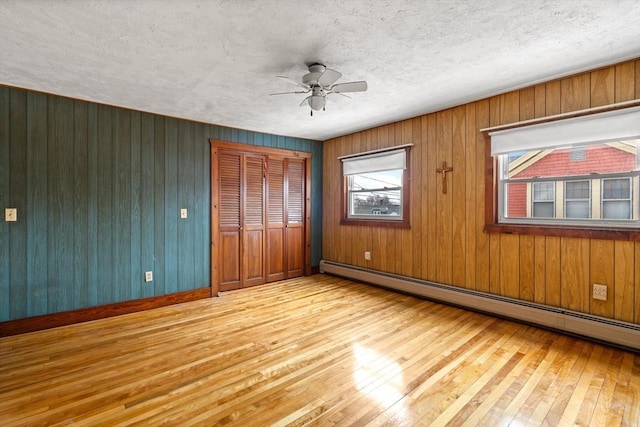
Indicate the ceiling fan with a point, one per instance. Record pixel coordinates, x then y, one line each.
320 82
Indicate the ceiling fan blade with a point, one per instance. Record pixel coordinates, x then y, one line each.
295 82
287 93
338 93
360 86
329 77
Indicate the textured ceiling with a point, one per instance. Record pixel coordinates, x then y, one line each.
216 61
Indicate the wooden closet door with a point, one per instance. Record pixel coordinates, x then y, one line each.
285 218
294 216
275 220
229 234
260 222
253 220
241 220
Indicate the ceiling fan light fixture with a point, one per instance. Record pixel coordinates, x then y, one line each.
317 102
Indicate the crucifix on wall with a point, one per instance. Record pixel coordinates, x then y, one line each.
443 170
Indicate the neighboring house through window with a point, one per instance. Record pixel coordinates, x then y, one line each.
582 171
376 188
577 199
543 200
617 198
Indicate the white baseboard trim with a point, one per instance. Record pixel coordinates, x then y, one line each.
599 328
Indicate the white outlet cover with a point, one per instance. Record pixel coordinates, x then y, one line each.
599 292
183 213
11 214
148 276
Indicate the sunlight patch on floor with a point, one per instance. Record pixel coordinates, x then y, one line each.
377 376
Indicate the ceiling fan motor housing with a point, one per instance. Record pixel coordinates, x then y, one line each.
315 71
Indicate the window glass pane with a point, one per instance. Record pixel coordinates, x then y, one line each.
617 209
577 190
543 191
376 193
543 209
577 209
616 188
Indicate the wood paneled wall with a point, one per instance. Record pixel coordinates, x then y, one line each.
446 242
98 191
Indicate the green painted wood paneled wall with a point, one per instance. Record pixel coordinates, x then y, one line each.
98 191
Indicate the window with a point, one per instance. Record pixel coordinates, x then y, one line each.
543 200
544 185
580 173
376 188
577 199
375 193
616 198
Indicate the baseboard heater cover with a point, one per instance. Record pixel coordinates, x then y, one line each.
599 328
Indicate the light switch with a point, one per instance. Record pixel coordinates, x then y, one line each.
183 213
11 214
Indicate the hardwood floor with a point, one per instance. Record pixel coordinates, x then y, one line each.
320 351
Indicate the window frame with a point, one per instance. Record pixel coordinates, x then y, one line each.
379 221
492 187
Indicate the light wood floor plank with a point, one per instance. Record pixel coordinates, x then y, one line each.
567 387
631 411
318 351
505 391
588 404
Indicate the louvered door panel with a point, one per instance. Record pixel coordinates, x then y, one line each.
294 226
275 220
276 191
295 191
253 219
259 202
254 190
229 165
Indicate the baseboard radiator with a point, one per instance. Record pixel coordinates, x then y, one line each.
615 332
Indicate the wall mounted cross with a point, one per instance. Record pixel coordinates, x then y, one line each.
443 170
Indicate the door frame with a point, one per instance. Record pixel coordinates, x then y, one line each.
217 144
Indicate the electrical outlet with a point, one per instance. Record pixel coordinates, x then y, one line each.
599 292
367 256
148 276
11 214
